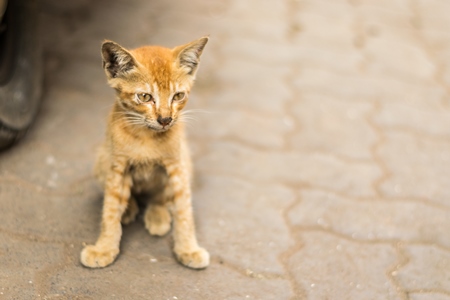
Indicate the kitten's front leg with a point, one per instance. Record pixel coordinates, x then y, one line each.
186 247
117 195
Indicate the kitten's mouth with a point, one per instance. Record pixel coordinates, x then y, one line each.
159 128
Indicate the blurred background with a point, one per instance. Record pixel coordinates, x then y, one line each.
321 146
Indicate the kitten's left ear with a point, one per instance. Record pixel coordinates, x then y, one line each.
188 56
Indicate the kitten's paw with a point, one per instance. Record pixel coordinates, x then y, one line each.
157 220
98 257
130 214
197 259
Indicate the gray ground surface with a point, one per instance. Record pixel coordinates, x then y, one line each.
322 162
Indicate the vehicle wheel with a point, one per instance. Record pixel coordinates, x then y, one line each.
20 70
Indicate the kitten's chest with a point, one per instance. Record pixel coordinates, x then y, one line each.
143 171
147 177
145 151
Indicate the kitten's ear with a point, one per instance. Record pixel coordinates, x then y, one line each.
116 60
188 56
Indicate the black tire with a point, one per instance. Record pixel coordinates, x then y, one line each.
20 70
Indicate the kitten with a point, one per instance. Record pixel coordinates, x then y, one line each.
145 152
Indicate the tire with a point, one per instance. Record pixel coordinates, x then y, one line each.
20 70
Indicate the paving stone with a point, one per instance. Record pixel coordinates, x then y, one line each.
431 15
316 28
289 167
50 216
400 7
372 219
271 31
371 87
399 60
256 87
162 280
308 56
428 116
245 126
328 267
24 264
244 225
428 296
427 269
332 126
423 160
260 50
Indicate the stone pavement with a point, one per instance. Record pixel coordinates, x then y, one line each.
321 148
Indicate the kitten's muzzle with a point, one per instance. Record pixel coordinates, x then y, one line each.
164 121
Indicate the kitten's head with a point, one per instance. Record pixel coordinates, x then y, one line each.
153 83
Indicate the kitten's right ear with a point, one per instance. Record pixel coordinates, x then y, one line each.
116 60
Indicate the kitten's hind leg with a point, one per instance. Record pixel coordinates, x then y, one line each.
157 219
130 214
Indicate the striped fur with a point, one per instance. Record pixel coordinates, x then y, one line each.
141 156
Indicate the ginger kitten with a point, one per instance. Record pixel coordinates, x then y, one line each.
145 151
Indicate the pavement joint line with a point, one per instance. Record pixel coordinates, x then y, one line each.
285 256
402 261
439 67
263 149
36 238
308 186
248 144
294 183
374 149
220 261
66 190
299 229
287 107
42 276
428 291
386 199
420 134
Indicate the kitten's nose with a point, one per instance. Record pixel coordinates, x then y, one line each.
164 121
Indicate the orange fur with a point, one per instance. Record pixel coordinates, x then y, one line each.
145 151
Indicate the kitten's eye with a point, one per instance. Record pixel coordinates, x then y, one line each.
179 96
144 97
